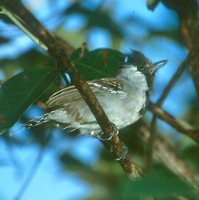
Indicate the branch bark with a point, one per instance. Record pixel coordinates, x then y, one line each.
179 125
187 12
164 153
57 49
161 100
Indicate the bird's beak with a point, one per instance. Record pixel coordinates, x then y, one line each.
158 65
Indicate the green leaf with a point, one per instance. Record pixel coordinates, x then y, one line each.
19 92
98 63
160 184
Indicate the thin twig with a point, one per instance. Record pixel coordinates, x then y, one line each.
163 152
175 78
30 176
9 149
160 101
187 12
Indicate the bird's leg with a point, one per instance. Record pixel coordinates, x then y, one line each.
101 136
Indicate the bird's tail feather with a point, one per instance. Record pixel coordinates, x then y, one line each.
37 121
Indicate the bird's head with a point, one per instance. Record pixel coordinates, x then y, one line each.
143 64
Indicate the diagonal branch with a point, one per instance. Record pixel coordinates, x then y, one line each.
56 48
187 12
31 174
178 124
175 78
164 153
161 100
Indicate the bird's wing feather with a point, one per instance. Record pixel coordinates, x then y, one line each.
70 95
75 107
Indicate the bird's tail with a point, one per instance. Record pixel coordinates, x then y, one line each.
37 121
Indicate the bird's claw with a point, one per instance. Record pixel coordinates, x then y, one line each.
101 135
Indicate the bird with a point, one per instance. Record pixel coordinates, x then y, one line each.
124 98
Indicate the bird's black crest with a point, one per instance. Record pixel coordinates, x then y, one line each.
139 60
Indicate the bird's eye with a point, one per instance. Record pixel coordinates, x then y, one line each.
68 77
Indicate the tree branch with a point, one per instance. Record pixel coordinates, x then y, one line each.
187 12
164 153
179 125
175 78
31 174
161 100
56 48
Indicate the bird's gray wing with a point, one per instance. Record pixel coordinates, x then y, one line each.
71 96
70 100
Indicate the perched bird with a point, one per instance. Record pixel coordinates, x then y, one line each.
124 98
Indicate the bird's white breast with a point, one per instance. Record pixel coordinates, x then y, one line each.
128 108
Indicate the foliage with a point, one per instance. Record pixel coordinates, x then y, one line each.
159 183
22 90
98 63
